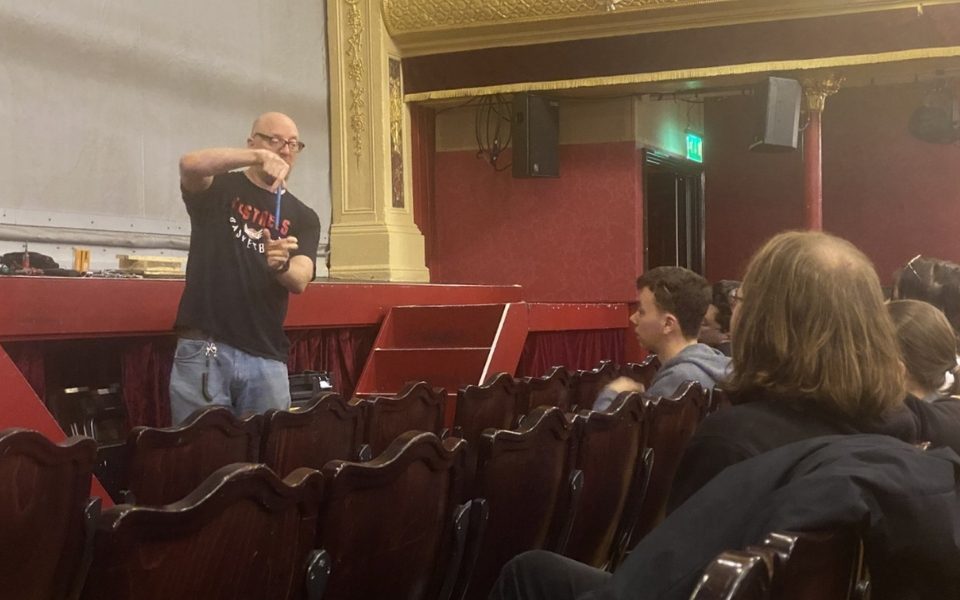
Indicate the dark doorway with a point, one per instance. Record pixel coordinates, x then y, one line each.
673 214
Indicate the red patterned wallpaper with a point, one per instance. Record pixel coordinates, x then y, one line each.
890 194
577 238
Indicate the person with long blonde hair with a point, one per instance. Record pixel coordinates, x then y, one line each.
814 353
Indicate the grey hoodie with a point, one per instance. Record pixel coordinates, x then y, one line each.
698 362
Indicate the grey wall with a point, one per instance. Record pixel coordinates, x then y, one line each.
99 98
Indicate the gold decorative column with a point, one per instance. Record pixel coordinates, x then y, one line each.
373 235
815 92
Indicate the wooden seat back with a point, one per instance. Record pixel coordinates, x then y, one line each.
642 372
586 385
327 428
553 389
609 454
525 477
390 524
166 464
44 491
818 565
496 404
672 422
821 565
243 533
735 575
418 407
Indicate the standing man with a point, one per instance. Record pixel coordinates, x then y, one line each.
671 303
251 244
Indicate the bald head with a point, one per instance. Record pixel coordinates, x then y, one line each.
268 121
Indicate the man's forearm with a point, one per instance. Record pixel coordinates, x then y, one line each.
214 161
300 273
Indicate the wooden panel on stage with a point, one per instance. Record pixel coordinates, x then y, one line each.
63 307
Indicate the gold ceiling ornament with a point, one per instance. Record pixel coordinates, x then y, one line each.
816 91
356 73
409 16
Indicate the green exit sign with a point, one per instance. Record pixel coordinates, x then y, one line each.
694 147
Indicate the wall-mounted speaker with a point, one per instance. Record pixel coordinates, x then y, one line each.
535 127
779 122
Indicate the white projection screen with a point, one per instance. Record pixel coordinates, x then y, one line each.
99 98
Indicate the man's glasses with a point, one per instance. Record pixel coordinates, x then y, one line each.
276 143
912 270
736 297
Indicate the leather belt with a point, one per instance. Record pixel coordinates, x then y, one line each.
194 334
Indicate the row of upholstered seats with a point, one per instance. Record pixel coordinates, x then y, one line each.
405 514
402 516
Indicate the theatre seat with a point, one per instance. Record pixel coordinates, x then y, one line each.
553 389
672 422
166 464
498 404
818 565
326 428
610 456
735 575
45 514
392 525
642 372
418 407
586 385
530 487
242 534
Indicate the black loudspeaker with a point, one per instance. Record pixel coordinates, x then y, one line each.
779 115
535 127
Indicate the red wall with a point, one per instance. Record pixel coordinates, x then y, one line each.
891 195
576 238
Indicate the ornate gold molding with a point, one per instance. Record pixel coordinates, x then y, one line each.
396 132
816 91
420 27
356 73
407 16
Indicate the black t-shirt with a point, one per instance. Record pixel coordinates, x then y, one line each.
230 292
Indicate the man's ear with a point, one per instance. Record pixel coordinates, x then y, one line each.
670 323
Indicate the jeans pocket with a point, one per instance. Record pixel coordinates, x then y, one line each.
189 350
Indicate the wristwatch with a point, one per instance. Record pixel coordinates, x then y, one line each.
283 268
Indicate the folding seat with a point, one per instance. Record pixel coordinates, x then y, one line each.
553 389
242 534
166 464
46 515
529 486
392 526
610 454
325 428
418 407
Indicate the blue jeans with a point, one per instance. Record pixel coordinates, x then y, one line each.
207 373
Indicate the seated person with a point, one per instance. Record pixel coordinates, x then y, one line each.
715 328
934 281
671 302
812 309
928 349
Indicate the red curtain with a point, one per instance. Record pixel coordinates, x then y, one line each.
28 356
571 349
145 365
142 365
341 351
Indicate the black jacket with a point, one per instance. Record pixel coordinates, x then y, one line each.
755 426
907 498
